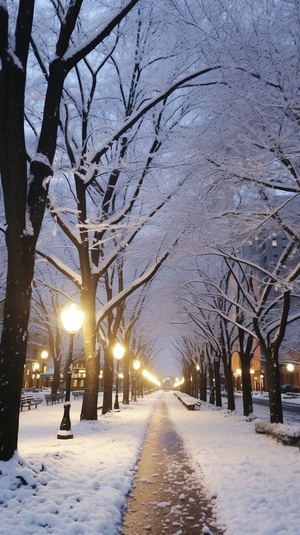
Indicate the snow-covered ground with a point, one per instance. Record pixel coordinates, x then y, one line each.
79 486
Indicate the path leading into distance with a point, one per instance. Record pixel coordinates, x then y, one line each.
167 497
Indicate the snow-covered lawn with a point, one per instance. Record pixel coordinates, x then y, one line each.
79 486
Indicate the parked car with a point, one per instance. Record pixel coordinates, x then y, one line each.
289 389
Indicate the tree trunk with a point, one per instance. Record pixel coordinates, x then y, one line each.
202 381
56 376
211 385
126 379
229 384
14 342
217 382
92 358
247 392
273 376
108 379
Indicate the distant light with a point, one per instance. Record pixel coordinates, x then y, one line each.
151 378
136 365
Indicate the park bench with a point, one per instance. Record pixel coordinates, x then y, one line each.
188 401
54 398
78 394
29 401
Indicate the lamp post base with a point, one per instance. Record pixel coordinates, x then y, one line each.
64 435
116 404
65 430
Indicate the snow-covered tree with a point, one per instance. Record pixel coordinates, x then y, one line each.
36 75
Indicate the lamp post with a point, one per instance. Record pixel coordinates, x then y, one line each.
252 378
72 319
118 352
262 376
238 372
290 368
44 356
197 380
136 367
36 374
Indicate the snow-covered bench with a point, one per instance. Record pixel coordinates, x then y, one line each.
29 401
54 398
188 401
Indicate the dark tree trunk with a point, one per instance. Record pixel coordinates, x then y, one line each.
273 376
217 382
247 392
108 379
92 357
20 258
211 385
246 342
229 384
13 345
202 380
90 399
56 376
126 379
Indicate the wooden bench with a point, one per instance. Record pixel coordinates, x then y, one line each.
54 398
188 401
29 401
78 394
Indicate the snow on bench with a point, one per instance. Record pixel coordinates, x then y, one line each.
188 401
29 401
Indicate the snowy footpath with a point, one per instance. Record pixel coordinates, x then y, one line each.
80 486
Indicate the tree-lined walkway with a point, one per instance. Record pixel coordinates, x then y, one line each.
167 497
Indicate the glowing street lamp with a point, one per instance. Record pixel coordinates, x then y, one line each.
252 378
72 320
118 352
290 368
238 373
44 356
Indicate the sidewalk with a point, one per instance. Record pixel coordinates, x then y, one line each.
167 496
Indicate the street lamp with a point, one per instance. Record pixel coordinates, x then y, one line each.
44 356
238 373
262 376
290 368
252 378
72 319
118 352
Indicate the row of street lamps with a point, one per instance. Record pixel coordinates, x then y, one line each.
118 353
72 320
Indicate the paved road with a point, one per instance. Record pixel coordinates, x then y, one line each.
291 413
